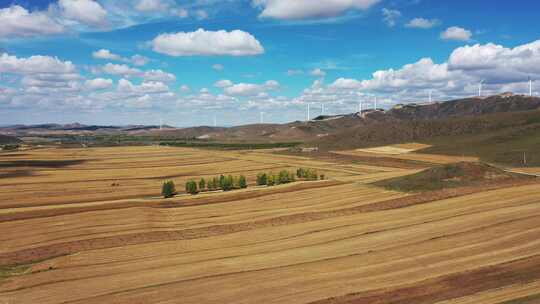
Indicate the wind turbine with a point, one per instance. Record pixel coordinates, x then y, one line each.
262 117
160 123
215 120
430 100
530 87
360 107
480 88
322 108
375 102
308 114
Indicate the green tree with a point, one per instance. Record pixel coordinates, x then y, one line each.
262 179
222 182
242 182
202 184
300 173
271 180
283 177
168 189
191 187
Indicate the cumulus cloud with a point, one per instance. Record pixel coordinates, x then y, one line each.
207 43
250 89
98 84
422 23
35 65
308 9
158 75
317 73
16 21
106 54
496 63
456 33
390 16
118 69
85 11
223 83
146 87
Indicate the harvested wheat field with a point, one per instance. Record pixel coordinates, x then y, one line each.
68 236
407 152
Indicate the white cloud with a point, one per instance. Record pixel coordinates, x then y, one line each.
390 16
139 60
223 83
16 21
34 65
98 84
119 69
423 23
151 6
308 9
147 87
218 67
158 75
85 11
456 33
496 63
318 73
106 54
207 43
250 89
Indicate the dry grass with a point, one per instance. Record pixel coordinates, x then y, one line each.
326 242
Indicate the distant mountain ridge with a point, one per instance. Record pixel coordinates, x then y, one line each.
320 130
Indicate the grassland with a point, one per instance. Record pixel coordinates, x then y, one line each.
77 239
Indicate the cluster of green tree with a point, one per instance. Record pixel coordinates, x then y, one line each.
225 183
270 179
309 174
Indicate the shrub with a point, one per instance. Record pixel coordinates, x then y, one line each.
300 173
242 182
168 189
322 177
191 187
202 184
283 177
262 179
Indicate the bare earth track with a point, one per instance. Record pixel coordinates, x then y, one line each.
80 240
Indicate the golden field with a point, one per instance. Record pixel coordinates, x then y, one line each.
69 236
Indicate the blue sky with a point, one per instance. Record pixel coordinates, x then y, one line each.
134 62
